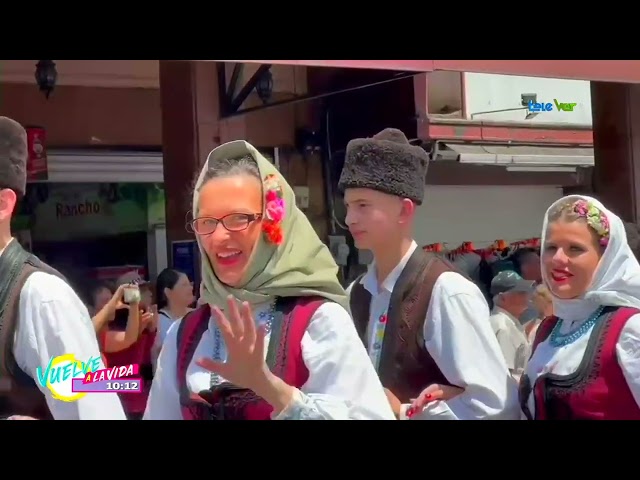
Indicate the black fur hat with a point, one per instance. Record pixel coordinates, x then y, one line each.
13 156
386 162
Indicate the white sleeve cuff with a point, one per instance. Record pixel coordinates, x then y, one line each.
300 407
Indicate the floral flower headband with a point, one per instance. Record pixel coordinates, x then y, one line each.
274 210
596 219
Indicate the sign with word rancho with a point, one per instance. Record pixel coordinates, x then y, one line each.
59 212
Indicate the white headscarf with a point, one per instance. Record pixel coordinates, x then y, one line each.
617 278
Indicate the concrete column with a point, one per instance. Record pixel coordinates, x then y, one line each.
190 129
616 138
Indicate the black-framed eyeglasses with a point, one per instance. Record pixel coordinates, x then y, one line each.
234 222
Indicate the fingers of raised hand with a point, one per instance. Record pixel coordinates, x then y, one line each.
119 292
260 334
249 325
212 366
223 324
235 318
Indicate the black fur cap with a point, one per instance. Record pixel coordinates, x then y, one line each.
13 156
386 162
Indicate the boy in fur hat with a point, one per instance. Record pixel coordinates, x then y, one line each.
425 325
41 317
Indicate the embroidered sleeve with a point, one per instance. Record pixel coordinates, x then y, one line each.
302 407
628 353
457 332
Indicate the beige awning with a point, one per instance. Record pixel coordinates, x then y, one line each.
521 157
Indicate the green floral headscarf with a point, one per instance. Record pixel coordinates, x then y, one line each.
301 265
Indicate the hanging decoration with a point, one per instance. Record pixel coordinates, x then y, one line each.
433 247
496 247
37 167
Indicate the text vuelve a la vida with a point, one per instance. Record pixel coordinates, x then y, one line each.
69 370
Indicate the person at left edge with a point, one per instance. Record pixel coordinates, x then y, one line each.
305 361
42 316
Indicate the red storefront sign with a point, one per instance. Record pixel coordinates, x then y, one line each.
37 151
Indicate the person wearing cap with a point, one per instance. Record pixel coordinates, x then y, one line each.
526 263
425 325
511 294
42 317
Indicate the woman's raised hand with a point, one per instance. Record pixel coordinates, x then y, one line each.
245 366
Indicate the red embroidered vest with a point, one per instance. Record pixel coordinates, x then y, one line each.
284 357
597 390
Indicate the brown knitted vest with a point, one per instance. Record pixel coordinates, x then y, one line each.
406 367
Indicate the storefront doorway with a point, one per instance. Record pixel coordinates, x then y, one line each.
87 229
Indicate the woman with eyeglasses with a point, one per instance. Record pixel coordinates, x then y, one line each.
274 339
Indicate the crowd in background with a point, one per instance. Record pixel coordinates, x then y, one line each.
133 332
278 337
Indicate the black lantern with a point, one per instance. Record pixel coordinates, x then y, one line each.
264 87
46 76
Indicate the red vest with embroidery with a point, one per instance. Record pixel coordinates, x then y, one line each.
284 357
597 390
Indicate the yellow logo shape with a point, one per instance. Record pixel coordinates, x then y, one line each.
62 389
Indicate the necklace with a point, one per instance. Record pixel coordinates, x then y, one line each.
557 339
265 318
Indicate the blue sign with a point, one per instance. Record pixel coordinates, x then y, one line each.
185 257
548 107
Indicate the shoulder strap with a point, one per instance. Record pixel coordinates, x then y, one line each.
19 392
360 304
190 331
284 356
16 265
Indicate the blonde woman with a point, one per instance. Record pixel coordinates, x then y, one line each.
585 357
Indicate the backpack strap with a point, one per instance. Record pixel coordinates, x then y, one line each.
190 331
19 392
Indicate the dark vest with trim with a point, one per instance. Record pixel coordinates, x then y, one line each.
406 367
597 390
19 393
284 358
